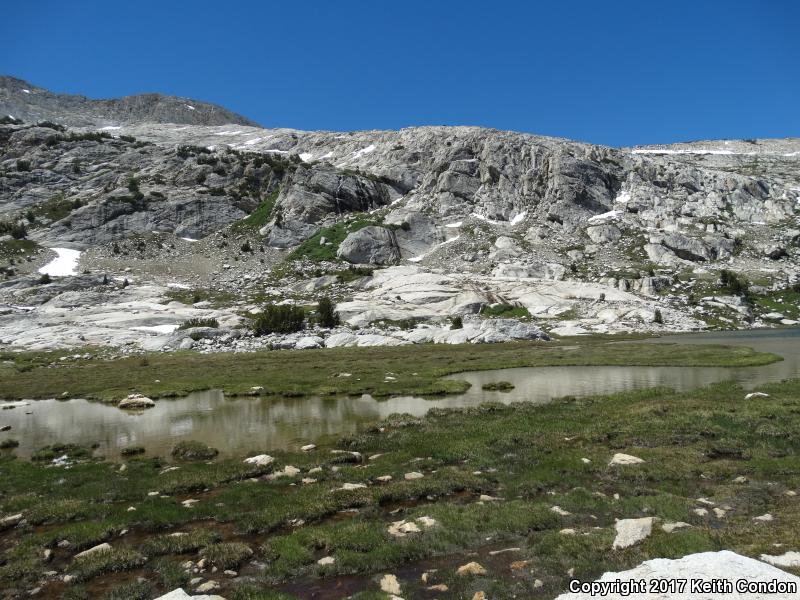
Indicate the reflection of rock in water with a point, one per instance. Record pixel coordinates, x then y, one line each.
239 425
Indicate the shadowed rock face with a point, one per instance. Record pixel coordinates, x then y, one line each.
31 104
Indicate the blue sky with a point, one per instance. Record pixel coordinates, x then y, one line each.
610 72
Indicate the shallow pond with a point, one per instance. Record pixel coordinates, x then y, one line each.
239 425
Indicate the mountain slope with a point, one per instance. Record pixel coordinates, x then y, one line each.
436 221
30 103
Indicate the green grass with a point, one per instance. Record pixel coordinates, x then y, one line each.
498 386
261 215
17 248
198 322
526 458
335 234
55 208
227 555
786 302
418 369
506 311
192 450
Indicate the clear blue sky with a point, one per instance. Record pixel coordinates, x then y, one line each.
611 72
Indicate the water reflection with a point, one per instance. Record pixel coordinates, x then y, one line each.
239 425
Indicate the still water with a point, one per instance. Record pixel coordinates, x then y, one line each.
239 425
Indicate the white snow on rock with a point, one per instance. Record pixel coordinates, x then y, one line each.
622 198
706 566
305 156
65 264
612 214
519 218
26 91
156 328
421 256
364 151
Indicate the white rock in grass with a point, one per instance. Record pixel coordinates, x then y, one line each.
308 447
426 521
764 518
403 528
352 486
10 521
632 531
287 471
389 584
471 568
260 460
625 459
670 527
413 475
560 511
94 550
327 560
788 559
707 566
756 395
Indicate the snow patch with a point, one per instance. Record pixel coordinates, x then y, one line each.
156 328
190 239
364 151
66 263
421 256
488 220
519 218
305 156
454 225
189 106
24 91
179 286
237 132
622 198
688 151
324 156
612 214
110 128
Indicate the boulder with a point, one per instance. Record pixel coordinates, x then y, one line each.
260 460
471 568
632 531
94 550
706 566
180 594
308 342
136 401
338 340
370 245
625 459
390 585
603 234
